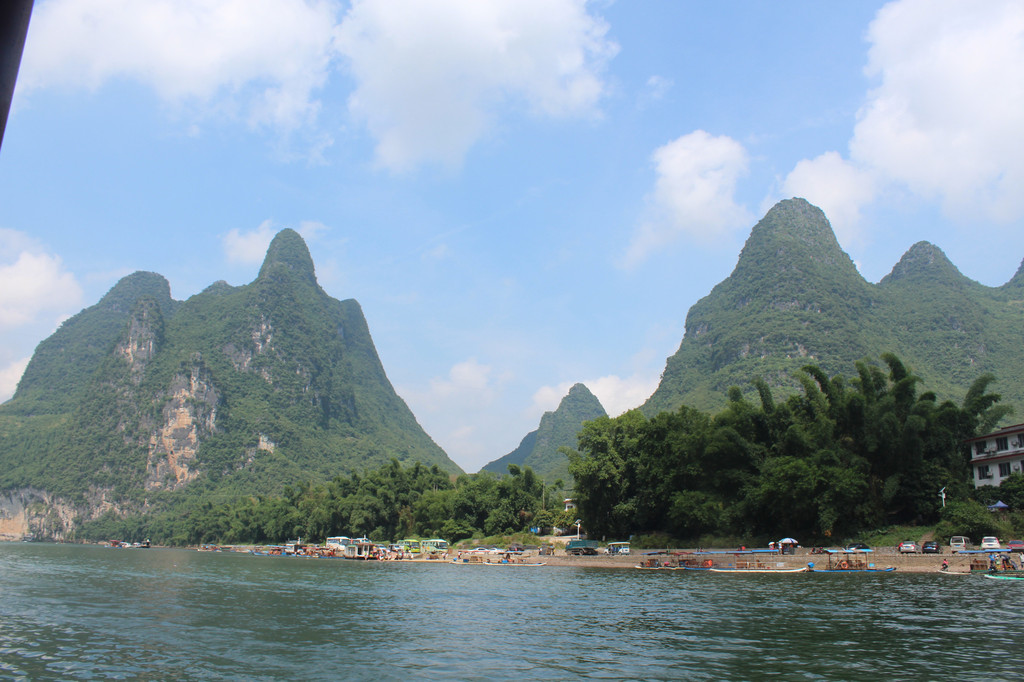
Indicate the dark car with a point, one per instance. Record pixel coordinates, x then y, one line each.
854 546
930 547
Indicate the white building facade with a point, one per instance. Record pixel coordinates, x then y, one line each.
997 455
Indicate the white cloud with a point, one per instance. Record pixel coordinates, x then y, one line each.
311 229
837 187
464 378
437 253
32 282
945 118
655 90
547 398
693 193
9 378
261 59
249 247
456 411
617 394
430 76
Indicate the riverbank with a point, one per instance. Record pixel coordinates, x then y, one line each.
885 558
905 563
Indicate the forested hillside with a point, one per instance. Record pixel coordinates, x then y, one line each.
140 401
841 456
541 449
796 298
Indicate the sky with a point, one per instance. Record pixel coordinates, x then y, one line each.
521 194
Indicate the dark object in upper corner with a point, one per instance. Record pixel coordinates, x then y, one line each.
14 16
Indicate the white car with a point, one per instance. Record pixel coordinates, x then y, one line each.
990 542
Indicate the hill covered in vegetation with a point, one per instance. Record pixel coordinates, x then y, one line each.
541 449
796 298
140 401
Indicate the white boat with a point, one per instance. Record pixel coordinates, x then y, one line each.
359 548
803 569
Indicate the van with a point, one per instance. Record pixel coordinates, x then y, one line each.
959 543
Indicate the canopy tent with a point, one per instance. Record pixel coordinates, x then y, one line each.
999 505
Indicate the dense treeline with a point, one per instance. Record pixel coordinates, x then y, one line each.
840 457
385 504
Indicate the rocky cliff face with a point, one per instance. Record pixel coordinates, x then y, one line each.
188 416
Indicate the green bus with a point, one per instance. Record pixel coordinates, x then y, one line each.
434 546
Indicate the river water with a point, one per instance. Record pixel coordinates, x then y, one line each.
74 612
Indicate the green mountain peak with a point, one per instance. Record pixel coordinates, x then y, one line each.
795 298
539 449
141 402
129 289
288 252
794 236
923 261
1016 283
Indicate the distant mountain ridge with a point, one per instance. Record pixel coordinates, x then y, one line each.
796 298
141 399
539 449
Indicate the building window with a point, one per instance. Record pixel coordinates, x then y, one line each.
979 447
1002 443
1004 469
983 472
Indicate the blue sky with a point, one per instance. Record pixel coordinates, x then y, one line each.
521 194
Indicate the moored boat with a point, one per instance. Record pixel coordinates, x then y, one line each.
849 561
804 569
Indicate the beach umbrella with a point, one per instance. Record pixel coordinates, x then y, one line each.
788 541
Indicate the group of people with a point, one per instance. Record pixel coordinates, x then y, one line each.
1001 562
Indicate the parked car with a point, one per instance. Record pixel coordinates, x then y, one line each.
857 546
930 547
907 547
1015 545
959 543
990 542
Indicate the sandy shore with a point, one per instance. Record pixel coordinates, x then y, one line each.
905 563
881 558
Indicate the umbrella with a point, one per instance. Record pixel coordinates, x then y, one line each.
999 505
788 541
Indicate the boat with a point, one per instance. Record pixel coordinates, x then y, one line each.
849 561
741 559
803 569
1004 577
359 548
675 561
995 562
480 558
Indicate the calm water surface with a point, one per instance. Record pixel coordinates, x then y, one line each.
91 613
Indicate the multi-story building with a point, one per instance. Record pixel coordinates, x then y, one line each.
996 455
